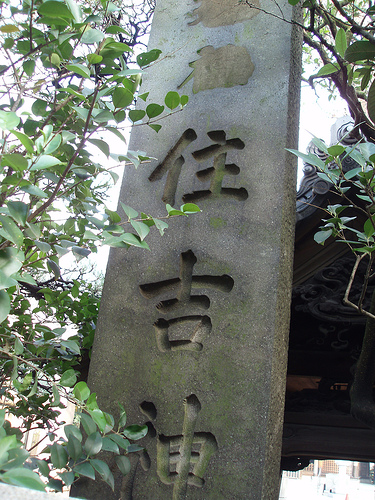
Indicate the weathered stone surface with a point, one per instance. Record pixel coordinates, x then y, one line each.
192 336
214 13
223 67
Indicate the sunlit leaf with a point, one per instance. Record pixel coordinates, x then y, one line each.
79 69
92 36
360 51
4 305
14 160
59 456
23 477
81 391
55 9
25 141
154 110
8 120
135 432
172 100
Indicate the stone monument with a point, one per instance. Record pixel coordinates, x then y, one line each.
192 336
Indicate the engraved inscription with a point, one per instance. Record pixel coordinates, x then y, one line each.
184 300
215 175
172 164
213 13
220 169
184 284
194 343
225 67
183 459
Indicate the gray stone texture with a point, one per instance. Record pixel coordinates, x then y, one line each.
209 377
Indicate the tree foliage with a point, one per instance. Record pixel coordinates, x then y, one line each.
69 81
340 43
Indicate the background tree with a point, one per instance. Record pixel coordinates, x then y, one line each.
69 80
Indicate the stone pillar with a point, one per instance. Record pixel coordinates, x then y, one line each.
192 336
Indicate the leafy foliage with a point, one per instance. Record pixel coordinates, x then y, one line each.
68 93
340 44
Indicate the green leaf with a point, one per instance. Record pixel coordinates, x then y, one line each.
53 267
53 144
56 395
81 391
43 246
141 228
310 158
321 236
172 100
79 69
85 469
161 226
67 477
110 445
147 58
72 430
43 467
91 403
172 211
155 126
25 141
340 42
293 2
14 160
93 444
368 228
123 463
120 441
59 456
11 231
23 477
71 345
19 211
39 107
9 28
136 114
54 9
133 240
102 145
371 101
88 424
103 420
122 420
184 100
336 150
45 161
135 432
29 67
18 346
80 252
360 51
130 212
328 69
94 58
104 471
154 110
92 36
8 120
34 191
4 305
75 9
68 378
122 97
74 447
190 208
